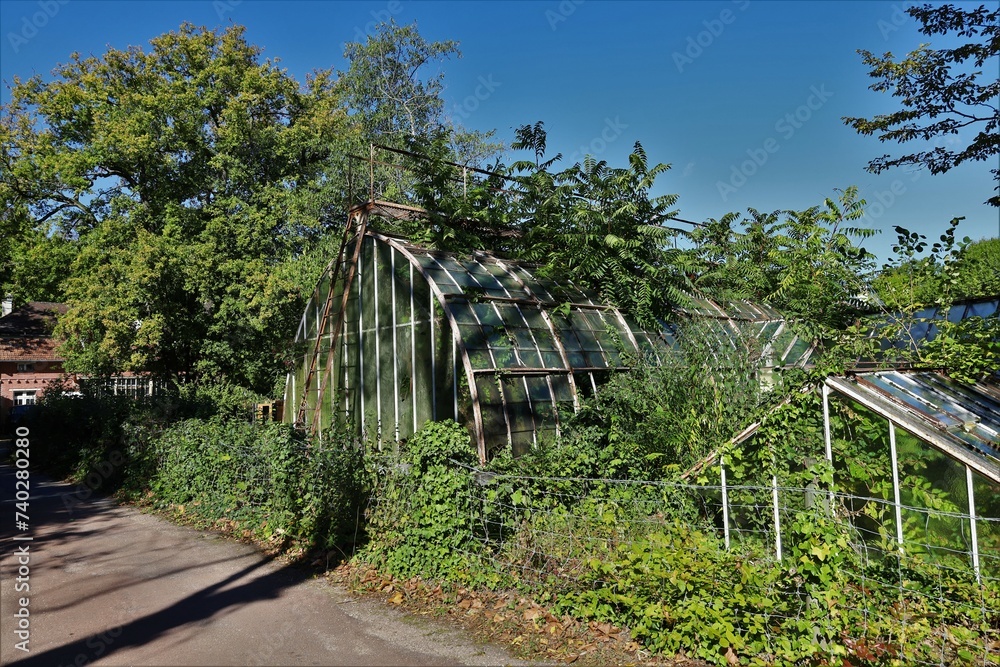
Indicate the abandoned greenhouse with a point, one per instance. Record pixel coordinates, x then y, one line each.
425 335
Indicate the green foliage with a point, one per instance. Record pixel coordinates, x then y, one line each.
260 478
215 467
663 418
600 228
979 275
942 91
187 178
421 521
969 350
73 436
383 84
805 263
935 277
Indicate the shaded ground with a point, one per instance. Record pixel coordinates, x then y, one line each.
109 585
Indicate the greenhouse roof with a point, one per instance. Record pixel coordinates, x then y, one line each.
922 325
961 420
485 293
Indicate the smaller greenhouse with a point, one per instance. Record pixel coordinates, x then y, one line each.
396 334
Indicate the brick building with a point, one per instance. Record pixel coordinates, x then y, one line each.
29 359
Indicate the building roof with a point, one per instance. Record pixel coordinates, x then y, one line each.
26 333
33 319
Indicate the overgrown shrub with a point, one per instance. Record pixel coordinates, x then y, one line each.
261 478
422 513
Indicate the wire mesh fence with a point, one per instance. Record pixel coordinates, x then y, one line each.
782 558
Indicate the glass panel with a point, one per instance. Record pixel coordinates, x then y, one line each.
491 407
519 412
509 283
984 309
486 280
405 373
370 362
535 286
352 367
388 361
445 391
423 378
443 281
487 314
987 497
933 490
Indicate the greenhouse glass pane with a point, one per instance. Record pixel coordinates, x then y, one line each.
519 411
445 370
584 384
507 281
473 337
487 314
370 363
388 362
463 312
798 351
351 378
487 281
987 497
533 285
937 493
491 407
422 344
983 309
956 313
443 281
405 371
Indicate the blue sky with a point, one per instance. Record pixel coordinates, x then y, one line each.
744 98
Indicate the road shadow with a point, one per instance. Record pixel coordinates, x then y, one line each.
68 513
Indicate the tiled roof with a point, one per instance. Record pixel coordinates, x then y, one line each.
36 318
28 349
25 334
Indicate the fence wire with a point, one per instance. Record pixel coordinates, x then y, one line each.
552 533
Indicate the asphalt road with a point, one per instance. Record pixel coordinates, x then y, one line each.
106 584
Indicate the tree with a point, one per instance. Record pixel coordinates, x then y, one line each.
805 263
388 91
193 179
383 83
940 92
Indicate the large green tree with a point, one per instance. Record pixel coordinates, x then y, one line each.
191 178
942 92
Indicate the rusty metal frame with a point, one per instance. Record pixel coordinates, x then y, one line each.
357 217
321 325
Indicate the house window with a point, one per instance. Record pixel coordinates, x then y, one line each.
25 368
22 398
